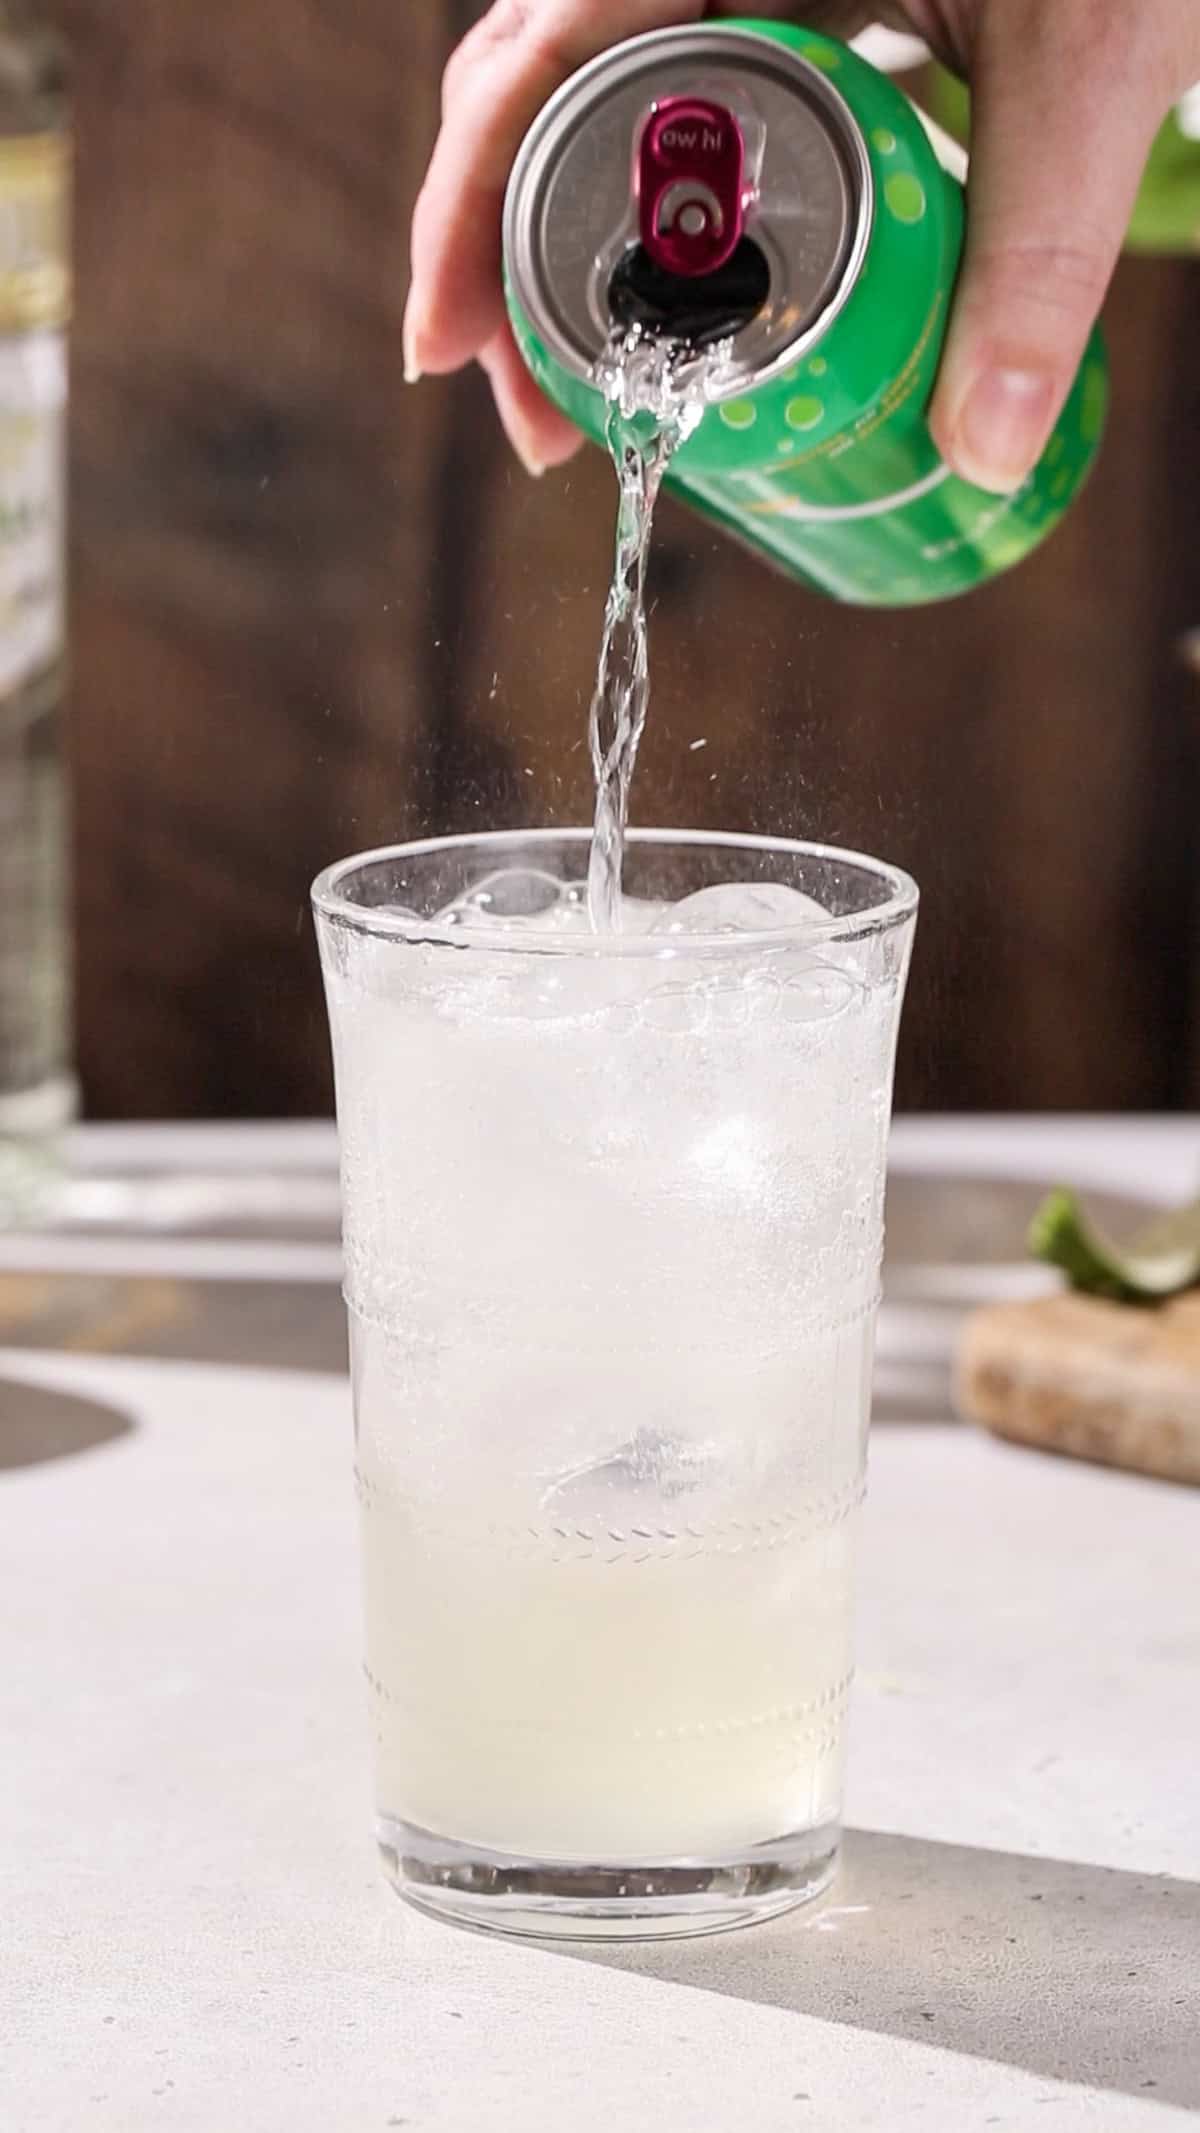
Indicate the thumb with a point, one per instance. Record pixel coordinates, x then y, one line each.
1062 126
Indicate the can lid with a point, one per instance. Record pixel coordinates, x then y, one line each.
572 208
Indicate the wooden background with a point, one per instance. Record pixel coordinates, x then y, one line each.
315 610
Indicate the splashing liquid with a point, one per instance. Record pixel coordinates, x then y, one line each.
656 393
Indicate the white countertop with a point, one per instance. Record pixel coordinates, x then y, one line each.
196 1934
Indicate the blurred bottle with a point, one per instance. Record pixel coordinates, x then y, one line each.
1166 217
36 1086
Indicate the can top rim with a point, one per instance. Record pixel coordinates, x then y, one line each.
717 42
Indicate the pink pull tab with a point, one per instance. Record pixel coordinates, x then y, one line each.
690 176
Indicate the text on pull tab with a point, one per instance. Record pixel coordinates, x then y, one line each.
690 180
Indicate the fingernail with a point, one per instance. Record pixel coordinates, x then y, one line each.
536 467
408 343
1002 426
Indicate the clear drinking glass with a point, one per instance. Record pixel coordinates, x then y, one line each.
613 1211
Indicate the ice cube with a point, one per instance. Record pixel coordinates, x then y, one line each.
644 914
741 907
650 1468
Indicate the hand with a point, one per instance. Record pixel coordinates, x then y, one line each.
1067 97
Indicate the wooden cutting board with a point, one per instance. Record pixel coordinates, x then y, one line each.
1102 1381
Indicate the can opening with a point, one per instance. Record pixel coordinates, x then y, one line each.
697 308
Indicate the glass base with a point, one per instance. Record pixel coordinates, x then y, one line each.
565 1899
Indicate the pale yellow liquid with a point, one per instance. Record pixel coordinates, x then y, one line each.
612 1249
566 1687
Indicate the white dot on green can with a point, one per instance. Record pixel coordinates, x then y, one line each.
884 141
804 412
905 196
739 414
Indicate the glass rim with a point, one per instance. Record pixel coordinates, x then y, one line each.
330 903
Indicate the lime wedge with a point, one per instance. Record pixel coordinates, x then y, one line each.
1160 1261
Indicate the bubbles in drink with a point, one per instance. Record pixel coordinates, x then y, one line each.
516 892
529 900
817 995
683 990
526 897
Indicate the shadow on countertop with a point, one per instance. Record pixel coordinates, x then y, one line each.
39 1423
1084 1974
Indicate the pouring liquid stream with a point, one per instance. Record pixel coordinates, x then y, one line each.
656 392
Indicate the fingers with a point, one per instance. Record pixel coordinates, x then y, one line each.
495 84
1065 110
540 436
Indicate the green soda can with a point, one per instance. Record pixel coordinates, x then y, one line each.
761 186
